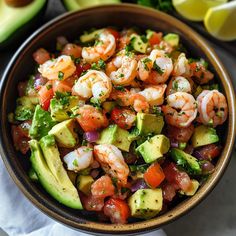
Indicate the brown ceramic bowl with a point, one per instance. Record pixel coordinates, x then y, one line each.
71 25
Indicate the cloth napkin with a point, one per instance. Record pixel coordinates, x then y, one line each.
19 217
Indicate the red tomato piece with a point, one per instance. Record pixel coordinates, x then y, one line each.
182 134
118 210
46 94
124 118
210 151
169 192
92 203
71 49
91 119
176 177
80 68
154 175
155 38
103 187
61 86
20 139
41 56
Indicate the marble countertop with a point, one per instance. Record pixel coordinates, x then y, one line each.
216 215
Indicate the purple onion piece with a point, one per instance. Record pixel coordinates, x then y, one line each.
138 184
207 167
39 80
91 137
198 155
94 173
174 144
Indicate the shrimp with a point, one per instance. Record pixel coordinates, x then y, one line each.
122 69
93 84
154 94
103 49
79 159
181 66
181 109
139 103
212 107
156 68
59 68
179 84
112 161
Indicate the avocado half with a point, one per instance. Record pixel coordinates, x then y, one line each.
72 5
17 22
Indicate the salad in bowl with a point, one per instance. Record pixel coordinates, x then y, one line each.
121 122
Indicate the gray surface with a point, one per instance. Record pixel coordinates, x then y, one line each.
216 215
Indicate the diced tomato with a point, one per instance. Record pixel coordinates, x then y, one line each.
80 68
176 177
208 152
41 56
154 175
155 38
124 118
169 191
118 210
20 138
21 87
103 187
115 33
71 49
92 203
91 119
46 94
61 86
182 134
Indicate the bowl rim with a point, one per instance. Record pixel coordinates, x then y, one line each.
180 209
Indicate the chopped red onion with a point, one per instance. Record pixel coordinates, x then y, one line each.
198 155
174 143
39 81
138 184
91 136
94 173
207 167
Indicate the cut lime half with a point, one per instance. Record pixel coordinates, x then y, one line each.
220 21
195 10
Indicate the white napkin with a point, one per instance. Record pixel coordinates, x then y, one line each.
18 217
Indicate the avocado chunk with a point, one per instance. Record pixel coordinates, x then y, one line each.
84 183
116 136
146 203
72 5
154 148
149 123
16 21
65 134
41 123
185 160
192 190
61 108
204 135
138 43
172 39
64 193
25 108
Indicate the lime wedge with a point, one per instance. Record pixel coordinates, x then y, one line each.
220 21
73 5
195 10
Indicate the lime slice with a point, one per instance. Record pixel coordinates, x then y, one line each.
220 21
195 10
72 5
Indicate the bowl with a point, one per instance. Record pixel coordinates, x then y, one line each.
71 25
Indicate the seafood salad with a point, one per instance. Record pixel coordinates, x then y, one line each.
124 123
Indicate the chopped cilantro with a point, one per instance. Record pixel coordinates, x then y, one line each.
60 75
100 65
63 97
88 149
120 88
157 68
75 163
49 86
